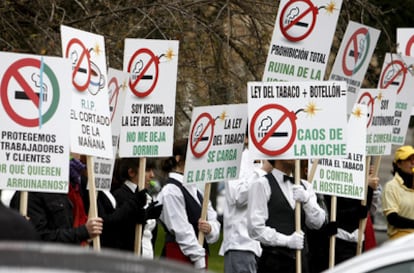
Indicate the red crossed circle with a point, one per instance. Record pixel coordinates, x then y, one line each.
84 54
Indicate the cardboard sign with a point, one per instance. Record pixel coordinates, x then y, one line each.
397 78
354 55
380 119
118 88
34 112
346 177
294 120
296 52
215 143
405 43
147 128
90 119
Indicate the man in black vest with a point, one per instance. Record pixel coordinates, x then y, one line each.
271 218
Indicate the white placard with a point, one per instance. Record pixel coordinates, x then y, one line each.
353 58
297 120
346 177
90 120
215 143
34 113
147 128
296 51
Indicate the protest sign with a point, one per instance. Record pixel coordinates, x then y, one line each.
90 121
34 111
297 120
380 120
397 77
296 52
147 128
216 143
353 58
118 88
346 177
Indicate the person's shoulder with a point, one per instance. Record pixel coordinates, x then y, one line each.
260 181
13 226
122 190
172 188
393 183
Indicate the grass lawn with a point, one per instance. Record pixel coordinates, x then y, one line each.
215 261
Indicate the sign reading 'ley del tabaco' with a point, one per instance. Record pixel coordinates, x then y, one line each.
293 120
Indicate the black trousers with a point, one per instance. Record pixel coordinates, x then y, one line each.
280 260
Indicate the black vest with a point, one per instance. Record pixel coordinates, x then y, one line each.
282 216
193 209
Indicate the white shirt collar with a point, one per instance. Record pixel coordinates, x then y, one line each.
131 185
177 176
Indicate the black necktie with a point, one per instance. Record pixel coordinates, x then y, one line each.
287 178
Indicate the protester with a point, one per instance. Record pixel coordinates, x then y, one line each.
128 192
271 218
349 213
14 227
181 213
374 192
398 194
239 250
60 217
318 239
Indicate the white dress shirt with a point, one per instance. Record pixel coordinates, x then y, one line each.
235 234
174 217
257 214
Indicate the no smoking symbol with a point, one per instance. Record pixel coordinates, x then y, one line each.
297 20
273 129
409 46
81 64
202 134
14 78
114 89
394 75
144 70
369 101
356 51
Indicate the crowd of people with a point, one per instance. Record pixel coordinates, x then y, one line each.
259 228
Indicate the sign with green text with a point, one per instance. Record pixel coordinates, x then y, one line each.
297 120
380 119
34 113
117 87
405 43
147 127
397 77
215 143
345 177
301 40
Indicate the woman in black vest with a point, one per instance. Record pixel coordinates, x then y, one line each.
181 213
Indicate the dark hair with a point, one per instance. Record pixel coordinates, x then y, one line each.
126 164
150 163
272 162
179 148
